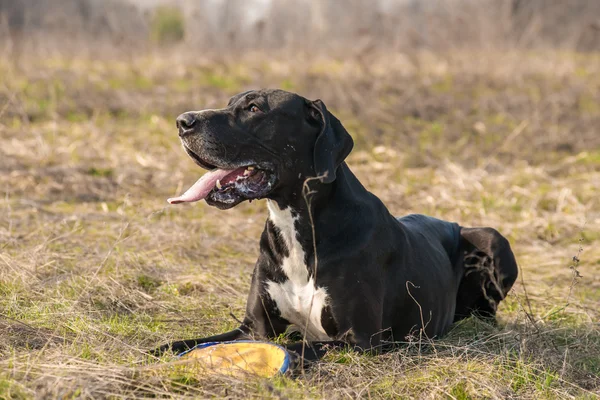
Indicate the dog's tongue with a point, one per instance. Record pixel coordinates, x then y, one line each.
202 187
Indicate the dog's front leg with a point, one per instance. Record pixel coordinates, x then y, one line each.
314 351
242 332
261 321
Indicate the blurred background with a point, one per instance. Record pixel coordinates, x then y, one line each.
315 25
467 53
484 112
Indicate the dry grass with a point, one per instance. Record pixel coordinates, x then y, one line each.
95 268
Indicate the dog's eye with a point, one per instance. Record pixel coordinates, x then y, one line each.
253 108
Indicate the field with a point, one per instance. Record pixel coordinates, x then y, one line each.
96 268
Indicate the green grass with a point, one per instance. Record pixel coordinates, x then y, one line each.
96 268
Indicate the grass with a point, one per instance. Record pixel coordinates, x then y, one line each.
96 268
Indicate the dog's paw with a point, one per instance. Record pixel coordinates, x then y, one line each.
161 350
174 347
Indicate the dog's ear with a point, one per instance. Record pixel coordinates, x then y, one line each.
238 96
333 144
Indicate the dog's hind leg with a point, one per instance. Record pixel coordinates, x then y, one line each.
490 270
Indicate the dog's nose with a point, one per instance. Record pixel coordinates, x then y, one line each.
186 122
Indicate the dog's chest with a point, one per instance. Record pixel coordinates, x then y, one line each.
298 298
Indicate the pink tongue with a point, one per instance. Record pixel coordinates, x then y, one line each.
202 187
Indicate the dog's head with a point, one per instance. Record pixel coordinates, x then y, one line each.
264 144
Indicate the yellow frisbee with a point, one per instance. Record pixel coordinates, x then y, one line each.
241 357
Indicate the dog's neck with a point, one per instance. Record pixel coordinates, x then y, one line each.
311 192
301 213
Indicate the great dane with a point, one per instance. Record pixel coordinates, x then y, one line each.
334 264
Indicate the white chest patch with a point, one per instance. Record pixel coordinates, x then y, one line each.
298 299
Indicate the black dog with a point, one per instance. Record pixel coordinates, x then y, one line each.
334 264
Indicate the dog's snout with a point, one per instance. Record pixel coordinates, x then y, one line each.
186 122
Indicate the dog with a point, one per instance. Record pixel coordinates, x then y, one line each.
334 264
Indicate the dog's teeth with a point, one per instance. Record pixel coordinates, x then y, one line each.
247 172
218 184
250 168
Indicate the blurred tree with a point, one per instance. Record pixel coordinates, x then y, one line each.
168 25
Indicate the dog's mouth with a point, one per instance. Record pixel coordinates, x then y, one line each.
227 186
